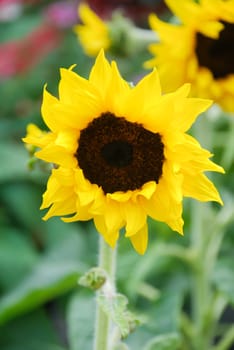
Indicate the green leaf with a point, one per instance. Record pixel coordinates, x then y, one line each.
116 308
31 332
169 341
162 317
224 278
80 319
23 201
67 241
13 159
46 281
17 257
51 277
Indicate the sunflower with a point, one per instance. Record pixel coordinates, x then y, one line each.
121 152
118 34
199 50
93 33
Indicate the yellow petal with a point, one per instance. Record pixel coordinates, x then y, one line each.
53 120
113 216
57 188
94 33
160 114
148 89
66 207
82 183
140 240
134 216
147 190
81 215
58 155
211 28
120 196
37 137
201 188
101 72
86 197
49 196
186 10
68 140
110 237
187 111
77 115
79 96
87 15
64 176
166 203
34 131
193 158
117 92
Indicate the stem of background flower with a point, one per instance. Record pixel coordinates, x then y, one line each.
107 261
228 156
207 305
201 292
143 37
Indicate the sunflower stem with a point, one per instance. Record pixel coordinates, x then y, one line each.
107 261
199 284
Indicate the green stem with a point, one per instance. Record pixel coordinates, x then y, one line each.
199 289
143 37
229 146
227 340
200 239
206 244
107 261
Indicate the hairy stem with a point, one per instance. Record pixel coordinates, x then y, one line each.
107 261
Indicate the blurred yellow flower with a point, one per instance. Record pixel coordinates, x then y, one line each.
199 50
93 33
121 152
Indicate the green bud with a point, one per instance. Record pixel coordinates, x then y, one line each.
93 279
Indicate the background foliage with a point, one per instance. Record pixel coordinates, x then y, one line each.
41 304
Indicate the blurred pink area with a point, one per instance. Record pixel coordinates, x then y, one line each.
62 13
19 56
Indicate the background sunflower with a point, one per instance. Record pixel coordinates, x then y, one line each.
199 49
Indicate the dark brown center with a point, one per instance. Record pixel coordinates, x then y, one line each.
119 155
217 54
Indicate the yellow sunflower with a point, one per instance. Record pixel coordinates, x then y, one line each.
200 50
93 33
121 152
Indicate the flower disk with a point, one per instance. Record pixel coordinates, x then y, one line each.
121 152
128 154
204 51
